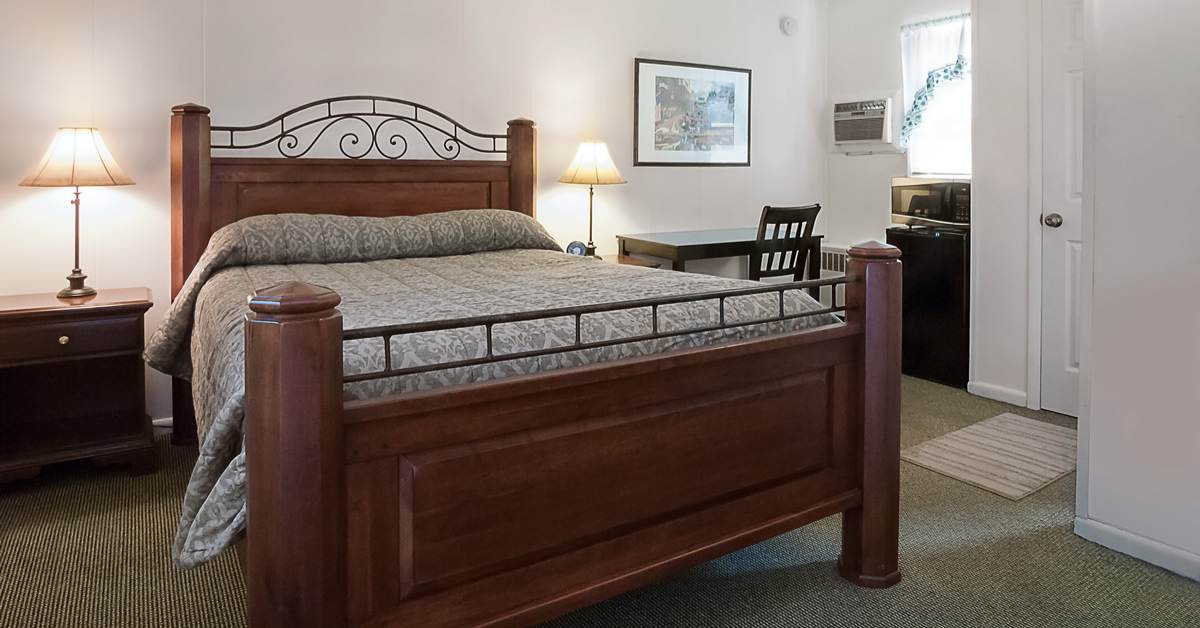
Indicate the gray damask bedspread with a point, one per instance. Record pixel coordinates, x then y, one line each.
400 270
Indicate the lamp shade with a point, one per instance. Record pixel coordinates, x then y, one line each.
592 166
77 157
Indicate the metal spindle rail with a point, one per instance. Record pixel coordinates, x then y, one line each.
488 322
382 131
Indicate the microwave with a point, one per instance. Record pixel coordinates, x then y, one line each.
931 202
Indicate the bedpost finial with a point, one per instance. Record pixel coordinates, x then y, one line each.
874 250
189 108
293 297
521 122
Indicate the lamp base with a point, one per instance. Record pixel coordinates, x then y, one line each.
76 287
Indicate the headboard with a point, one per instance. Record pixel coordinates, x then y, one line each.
372 178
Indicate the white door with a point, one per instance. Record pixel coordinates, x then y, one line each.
1062 201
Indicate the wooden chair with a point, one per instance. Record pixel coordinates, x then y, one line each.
786 245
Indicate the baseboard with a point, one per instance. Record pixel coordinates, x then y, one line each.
999 393
1170 558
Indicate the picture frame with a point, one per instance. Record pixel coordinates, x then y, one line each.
690 114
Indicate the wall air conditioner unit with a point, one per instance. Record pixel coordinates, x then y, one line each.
862 122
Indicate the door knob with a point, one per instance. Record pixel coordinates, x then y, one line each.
1053 221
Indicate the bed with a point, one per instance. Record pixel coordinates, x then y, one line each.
471 427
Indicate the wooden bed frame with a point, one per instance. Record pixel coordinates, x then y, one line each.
516 500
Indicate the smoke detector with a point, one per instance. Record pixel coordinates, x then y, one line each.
787 25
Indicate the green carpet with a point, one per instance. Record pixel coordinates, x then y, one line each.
89 547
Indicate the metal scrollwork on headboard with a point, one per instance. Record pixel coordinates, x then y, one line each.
367 123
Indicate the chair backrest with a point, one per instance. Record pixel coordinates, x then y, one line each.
786 244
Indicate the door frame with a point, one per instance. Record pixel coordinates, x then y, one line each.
1087 264
1033 351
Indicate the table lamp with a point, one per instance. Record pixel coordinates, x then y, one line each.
592 166
77 157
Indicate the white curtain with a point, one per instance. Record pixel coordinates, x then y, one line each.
936 62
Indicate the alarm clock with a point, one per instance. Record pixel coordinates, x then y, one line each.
577 248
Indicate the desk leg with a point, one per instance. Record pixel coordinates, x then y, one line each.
813 261
678 264
814 273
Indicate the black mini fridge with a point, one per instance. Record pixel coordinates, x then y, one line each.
937 289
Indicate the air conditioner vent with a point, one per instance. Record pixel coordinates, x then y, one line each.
863 121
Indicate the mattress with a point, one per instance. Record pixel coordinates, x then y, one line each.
466 264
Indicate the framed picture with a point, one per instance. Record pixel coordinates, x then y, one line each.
687 114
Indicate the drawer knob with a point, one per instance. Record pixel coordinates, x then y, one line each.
62 340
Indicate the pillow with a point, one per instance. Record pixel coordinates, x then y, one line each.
323 238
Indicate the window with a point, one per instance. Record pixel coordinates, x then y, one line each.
936 60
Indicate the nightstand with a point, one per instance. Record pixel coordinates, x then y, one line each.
72 383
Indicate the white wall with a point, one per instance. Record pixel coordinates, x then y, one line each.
1141 454
567 65
1000 201
864 62
147 57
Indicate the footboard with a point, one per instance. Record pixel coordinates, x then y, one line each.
515 500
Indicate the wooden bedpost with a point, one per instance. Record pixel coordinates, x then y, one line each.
522 172
190 158
871 533
295 459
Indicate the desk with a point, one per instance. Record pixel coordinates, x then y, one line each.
683 246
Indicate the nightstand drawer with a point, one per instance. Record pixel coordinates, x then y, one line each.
68 338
